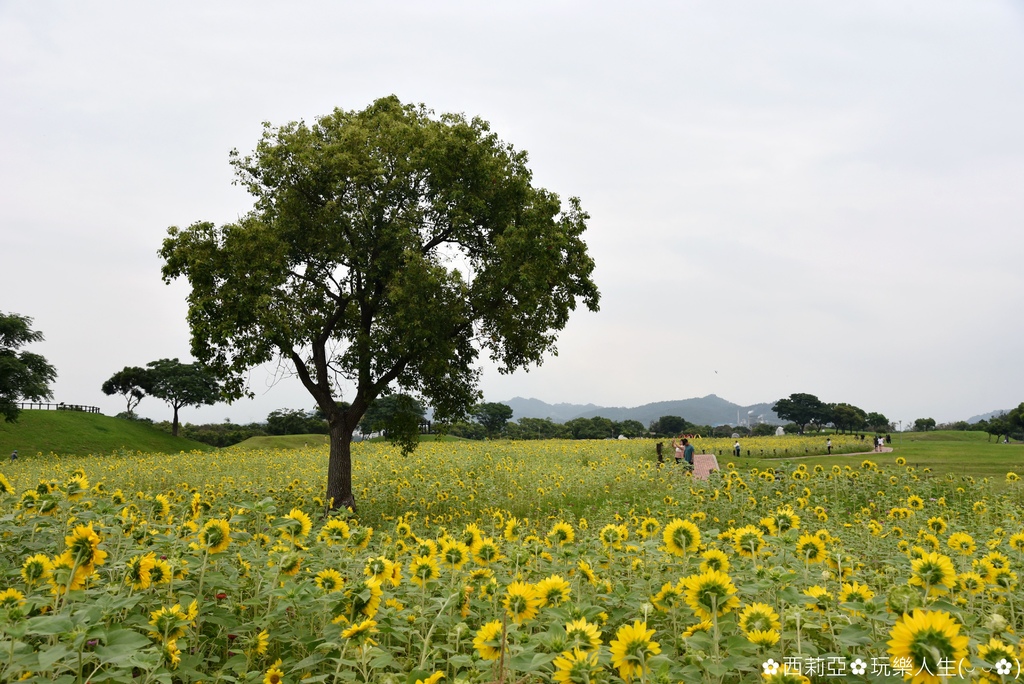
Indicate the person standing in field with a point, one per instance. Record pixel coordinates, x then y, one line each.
736 448
14 455
828 445
678 447
687 453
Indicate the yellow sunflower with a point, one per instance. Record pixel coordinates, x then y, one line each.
329 580
522 601
562 533
765 638
810 549
423 569
83 547
576 667
630 649
925 643
489 641
138 571
454 554
822 598
583 635
613 535
709 593
997 653
432 679
553 590
714 559
488 552
361 632
681 537
933 572
295 525
670 596
334 532
648 528
937 525
748 541
215 536
759 617
36 569
962 543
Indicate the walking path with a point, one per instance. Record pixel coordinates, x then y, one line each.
885 450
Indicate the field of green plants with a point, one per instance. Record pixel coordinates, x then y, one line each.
559 561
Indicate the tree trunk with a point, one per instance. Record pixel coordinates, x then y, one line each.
174 424
339 467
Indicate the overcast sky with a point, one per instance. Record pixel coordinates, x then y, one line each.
786 196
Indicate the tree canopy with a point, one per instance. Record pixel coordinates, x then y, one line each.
493 416
924 424
802 409
182 384
131 382
23 375
399 417
386 249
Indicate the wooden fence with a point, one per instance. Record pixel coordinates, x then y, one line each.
30 405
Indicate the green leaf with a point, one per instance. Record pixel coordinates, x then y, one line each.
48 625
531 662
50 656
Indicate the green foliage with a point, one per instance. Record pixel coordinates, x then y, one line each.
182 384
924 424
132 383
537 428
399 417
388 247
877 422
75 432
295 422
670 426
802 409
464 429
597 427
215 434
24 376
493 416
846 417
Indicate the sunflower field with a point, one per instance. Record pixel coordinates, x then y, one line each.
506 562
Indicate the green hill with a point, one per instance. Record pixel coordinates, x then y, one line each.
73 432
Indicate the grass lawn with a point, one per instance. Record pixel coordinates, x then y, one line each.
74 432
945 451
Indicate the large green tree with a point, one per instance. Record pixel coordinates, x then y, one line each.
670 426
399 417
802 409
23 375
182 384
386 249
131 382
877 422
847 417
493 416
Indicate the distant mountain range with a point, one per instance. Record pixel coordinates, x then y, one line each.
709 410
987 416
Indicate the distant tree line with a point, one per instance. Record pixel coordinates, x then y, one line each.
805 410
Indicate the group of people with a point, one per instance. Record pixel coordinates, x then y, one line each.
701 465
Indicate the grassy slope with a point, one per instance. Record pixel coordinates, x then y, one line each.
72 432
